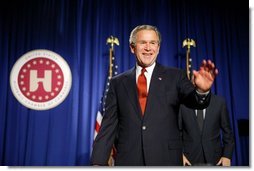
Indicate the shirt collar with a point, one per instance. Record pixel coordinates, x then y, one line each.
148 69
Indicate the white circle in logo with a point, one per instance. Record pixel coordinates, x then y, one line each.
40 79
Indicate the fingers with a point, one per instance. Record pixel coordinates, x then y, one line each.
204 74
225 161
186 161
194 73
216 71
209 67
219 163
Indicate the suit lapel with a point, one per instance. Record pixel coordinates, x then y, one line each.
154 88
194 116
190 115
131 88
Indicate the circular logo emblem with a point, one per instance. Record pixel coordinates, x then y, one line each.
40 79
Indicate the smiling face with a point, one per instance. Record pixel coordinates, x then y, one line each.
146 47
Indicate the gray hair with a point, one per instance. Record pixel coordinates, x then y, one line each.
132 39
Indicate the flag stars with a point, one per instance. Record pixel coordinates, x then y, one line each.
24 70
47 62
22 76
59 76
21 83
24 89
28 65
46 97
28 94
59 83
40 98
33 97
53 66
52 93
56 89
34 62
41 61
57 70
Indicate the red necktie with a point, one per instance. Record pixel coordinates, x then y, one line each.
142 90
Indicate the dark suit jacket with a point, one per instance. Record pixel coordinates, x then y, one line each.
216 121
155 138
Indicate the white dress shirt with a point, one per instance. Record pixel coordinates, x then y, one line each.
204 110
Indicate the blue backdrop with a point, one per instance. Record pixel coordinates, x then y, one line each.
77 30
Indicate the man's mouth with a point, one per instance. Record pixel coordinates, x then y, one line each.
147 54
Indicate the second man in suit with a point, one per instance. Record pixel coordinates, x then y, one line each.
210 142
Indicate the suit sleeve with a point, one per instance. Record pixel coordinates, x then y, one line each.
227 134
180 124
104 140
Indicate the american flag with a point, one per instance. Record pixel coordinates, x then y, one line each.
101 110
112 72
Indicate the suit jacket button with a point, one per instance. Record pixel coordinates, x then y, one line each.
144 127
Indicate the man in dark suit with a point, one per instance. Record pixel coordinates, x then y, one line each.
142 106
212 142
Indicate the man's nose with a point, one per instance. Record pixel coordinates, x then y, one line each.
147 46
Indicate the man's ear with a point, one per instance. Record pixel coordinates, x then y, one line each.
132 47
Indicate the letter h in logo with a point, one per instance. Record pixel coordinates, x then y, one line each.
46 81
